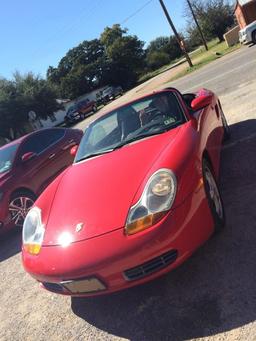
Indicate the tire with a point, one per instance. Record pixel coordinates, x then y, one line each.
254 37
94 108
213 196
19 205
227 132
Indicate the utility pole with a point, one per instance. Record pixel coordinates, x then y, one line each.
180 41
199 28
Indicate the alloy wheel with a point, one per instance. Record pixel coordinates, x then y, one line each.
19 207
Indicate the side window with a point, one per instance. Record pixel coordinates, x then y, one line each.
40 141
33 144
52 136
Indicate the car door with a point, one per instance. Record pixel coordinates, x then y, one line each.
50 160
60 142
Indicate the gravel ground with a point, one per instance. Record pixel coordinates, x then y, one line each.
210 297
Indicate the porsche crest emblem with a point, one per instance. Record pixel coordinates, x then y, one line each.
79 227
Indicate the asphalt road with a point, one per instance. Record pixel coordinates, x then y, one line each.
210 297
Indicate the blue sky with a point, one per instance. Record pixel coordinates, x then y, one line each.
36 34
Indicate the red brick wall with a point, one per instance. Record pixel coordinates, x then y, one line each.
240 16
246 14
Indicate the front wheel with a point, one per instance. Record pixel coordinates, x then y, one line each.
20 204
254 37
213 197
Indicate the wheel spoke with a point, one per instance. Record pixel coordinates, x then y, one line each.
19 208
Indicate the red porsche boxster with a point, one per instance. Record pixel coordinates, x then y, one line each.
140 198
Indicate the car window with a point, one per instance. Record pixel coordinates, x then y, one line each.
42 140
52 136
104 128
150 115
7 155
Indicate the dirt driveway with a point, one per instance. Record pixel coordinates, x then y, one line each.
211 297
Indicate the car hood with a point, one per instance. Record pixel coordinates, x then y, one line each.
93 197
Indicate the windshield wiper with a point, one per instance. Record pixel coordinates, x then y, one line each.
95 154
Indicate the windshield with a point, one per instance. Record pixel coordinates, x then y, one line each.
7 155
72 109
151 115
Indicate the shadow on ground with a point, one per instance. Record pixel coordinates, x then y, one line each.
10 244
211 293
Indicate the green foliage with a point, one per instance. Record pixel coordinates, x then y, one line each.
115 58
21 95
214 17
156 59
79 70
162 51
125 56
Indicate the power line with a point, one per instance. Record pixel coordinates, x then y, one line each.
136 12
58 34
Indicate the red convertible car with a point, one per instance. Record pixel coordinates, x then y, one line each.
27 166
140 198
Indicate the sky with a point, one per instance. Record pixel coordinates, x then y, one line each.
36 34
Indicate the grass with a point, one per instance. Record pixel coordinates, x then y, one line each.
154 73
202 57
199 58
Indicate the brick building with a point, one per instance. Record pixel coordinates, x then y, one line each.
245 12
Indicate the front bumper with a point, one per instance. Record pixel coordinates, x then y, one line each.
113 257
244 39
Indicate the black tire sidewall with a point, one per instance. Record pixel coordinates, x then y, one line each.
254 37
219 223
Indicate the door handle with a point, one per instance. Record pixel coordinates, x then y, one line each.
51 156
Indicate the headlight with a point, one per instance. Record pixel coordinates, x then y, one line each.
33 231
157 198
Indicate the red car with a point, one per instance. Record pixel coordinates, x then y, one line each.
80 111
27 166
140 198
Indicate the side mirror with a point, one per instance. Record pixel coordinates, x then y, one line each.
28 156
73 150
201 102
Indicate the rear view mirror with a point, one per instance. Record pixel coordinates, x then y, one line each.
28 156
201 101
73 150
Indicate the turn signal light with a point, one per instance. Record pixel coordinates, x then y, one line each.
33 249
143 223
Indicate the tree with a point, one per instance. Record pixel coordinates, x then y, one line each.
162 51
156 59
214 17
79 70
21 95
124 54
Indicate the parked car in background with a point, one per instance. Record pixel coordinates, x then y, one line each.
109 94
140 198
248 34
27 166
80 110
